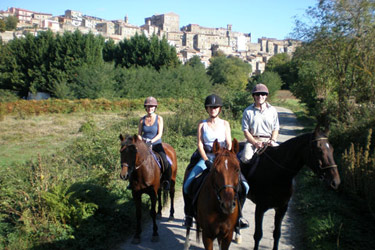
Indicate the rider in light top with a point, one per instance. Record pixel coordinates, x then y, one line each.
208 131
150 129
260 123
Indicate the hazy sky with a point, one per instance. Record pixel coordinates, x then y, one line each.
261 18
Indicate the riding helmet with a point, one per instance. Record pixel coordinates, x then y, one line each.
260 88
213 101
151 101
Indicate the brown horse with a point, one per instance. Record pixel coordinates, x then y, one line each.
141 168
271 181
217 202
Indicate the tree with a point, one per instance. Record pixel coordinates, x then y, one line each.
11 22
281 64
195 61
231 72
2 25
141 51
336 62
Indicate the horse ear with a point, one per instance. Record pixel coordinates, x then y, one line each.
135 138
235 146
326 131
216 146
121 137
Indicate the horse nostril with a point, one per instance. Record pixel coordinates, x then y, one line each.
234 204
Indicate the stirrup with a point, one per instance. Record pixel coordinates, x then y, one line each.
243 223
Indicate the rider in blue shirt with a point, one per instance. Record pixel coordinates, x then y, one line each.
150 129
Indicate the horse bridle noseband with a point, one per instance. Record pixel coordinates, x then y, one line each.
320 166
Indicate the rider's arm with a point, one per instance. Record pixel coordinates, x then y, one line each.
274 135
200 142
140 127
249 137
228 136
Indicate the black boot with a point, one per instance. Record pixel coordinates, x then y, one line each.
242 198
242 222
167 177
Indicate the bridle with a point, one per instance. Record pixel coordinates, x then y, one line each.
131 169
321 168
219 189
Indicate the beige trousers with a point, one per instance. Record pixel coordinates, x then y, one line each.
249 149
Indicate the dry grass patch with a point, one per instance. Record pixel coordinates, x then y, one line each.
22 139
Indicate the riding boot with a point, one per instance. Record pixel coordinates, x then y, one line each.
167 176
241 221
189 211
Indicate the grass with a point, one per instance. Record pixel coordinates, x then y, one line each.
22 139
329 220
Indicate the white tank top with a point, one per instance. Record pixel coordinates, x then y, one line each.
210 135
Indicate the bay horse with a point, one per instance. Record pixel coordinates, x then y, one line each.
271 180
217 202
140 167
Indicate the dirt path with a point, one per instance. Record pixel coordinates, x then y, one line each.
172 233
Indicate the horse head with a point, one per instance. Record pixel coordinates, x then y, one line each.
225 171
322 161
128 154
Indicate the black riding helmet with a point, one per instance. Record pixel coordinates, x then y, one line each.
213 101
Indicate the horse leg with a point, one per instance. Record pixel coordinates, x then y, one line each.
259 214
280 213
225 242
160 207
138 211
153 196
187 239
208 243
171 194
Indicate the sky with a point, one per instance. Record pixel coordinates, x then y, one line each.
261 18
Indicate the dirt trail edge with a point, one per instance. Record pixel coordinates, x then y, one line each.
172 233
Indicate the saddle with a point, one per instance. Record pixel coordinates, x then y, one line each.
160 161
196 186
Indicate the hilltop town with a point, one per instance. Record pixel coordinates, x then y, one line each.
189 40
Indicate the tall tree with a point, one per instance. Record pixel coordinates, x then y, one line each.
229 71
336 63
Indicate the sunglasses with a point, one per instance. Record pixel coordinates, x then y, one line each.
259 94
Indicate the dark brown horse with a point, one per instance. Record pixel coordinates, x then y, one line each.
141 168
271 181
217 202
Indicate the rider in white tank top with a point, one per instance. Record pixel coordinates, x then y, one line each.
210 135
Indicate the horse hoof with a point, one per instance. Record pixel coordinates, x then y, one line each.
171 217
136 241
158 216
238 239
155 238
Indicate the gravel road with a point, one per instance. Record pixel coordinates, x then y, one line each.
172 233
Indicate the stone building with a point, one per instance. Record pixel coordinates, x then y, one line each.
190 40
